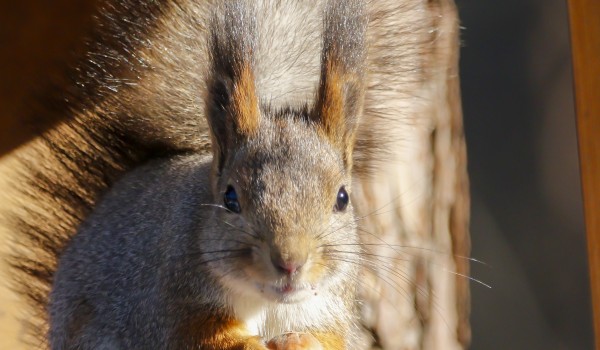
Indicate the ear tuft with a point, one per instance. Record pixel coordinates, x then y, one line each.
233 112
329 109
341 88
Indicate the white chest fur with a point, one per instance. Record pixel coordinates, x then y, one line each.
268 319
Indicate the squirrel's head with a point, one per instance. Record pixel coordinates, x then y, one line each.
286 229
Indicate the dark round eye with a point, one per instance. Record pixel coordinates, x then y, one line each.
230 200
342 200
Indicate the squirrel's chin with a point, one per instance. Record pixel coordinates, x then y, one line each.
287 294
282 292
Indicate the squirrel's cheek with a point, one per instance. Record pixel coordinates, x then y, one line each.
317 269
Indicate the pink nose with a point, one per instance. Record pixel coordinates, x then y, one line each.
286 267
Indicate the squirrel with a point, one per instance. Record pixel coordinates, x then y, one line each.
198 193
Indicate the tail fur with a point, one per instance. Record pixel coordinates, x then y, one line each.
61 174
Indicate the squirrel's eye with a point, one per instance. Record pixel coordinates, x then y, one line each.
230 200
342 200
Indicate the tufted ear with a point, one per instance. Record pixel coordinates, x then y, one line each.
232 104
341 87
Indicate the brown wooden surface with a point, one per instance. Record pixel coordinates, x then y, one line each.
585 35
38 40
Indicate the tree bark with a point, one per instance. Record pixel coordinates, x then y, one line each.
414 216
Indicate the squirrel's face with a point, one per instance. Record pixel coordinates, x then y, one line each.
286 230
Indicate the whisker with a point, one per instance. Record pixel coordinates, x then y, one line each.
255 236
391 270
393 200
215 205
362 283
395 286
228 240
387 281
469 278
220 258
384 260
397 246
224 251
386 244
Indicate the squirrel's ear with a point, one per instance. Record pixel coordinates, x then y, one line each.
341 87
232 111
232 104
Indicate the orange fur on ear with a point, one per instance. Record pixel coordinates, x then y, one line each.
330 103
244 104
341 87
339 104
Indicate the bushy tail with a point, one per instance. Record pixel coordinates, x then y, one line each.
60 175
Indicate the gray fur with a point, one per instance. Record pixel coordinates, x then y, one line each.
145 257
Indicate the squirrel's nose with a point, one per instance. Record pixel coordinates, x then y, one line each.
287 266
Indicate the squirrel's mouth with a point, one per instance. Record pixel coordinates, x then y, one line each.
288 293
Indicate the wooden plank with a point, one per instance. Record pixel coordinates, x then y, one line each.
585 36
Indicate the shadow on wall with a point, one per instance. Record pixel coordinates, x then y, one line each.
527 210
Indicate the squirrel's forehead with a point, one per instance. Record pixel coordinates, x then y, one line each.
285 153
290 191
290 128
282 177
291 149
293 171
283 162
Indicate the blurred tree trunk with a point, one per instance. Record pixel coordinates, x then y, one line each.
416 215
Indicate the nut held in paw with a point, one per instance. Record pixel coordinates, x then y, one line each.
294 341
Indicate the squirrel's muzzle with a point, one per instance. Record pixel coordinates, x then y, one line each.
289 258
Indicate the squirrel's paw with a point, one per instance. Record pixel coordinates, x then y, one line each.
294 341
